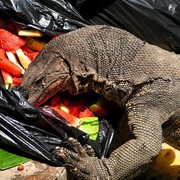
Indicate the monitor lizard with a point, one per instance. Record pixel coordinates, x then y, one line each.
142 78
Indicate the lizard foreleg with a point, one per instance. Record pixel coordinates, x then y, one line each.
129 159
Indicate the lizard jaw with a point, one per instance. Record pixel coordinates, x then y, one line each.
47 93
50 90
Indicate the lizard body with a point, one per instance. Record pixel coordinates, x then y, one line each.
142 78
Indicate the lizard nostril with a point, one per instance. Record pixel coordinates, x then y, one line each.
39 80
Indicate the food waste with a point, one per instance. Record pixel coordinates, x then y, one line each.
19 46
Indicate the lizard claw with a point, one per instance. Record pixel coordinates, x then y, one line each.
58 151
77 147
84 151
77 150
78 159
89 150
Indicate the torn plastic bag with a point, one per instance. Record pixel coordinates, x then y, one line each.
155 21
52 16
35 131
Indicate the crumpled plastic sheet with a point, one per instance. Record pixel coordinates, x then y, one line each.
35 131
154 21
52 16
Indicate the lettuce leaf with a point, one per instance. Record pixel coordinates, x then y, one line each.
90 125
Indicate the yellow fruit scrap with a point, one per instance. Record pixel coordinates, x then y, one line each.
167 164
64 108
24 60
29 33
7 77
7 86
13 59
35 44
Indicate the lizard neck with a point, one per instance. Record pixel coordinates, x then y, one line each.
113 90
118 91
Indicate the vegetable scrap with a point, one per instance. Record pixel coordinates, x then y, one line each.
77 110
18 48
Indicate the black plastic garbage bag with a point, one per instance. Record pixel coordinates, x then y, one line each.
155 21
50 16
35 131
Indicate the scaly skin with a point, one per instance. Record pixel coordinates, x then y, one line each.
142 78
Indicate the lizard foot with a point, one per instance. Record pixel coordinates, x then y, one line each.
73 143
79 160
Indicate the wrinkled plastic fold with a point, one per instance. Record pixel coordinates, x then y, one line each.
154 21
52 16
35 131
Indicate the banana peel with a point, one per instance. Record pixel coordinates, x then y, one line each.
166 166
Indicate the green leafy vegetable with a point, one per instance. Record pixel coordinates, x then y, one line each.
90 125
8 160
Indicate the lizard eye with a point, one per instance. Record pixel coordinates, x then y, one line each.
122 92
39 80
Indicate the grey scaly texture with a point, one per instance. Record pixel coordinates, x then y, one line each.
142 78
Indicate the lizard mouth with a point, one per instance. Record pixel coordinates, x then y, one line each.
51 90
48 92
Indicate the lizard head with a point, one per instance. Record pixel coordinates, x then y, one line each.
45 76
